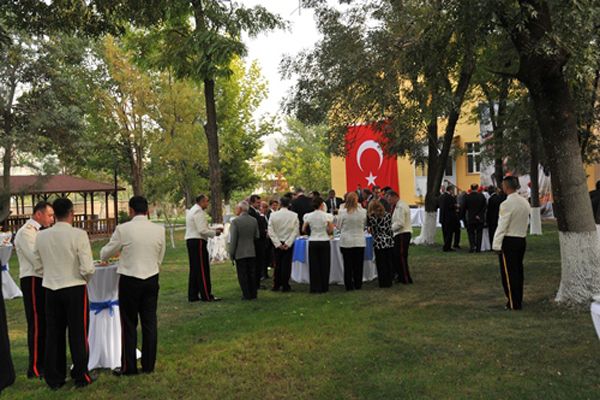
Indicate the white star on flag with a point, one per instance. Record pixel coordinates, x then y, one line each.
370 179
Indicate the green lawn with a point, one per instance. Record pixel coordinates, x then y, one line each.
446 336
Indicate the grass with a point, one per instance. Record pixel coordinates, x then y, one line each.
445 337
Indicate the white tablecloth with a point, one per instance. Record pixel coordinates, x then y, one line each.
417 217
595 309
301 274
105 327
10 290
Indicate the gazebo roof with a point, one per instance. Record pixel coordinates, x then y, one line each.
50 184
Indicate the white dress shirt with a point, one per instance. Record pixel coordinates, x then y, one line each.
196 224
513 220
25 246
352 228
401 222
63 256
317 220
283 227
142 245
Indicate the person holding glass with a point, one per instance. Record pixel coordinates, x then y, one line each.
320 226
379 223
351 223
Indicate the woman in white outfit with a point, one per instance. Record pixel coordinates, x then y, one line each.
351 223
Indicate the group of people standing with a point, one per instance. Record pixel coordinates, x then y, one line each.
55 265
263 234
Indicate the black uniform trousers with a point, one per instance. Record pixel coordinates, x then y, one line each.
475 231
319 261
246 272
283 268
199 278
492 232
7 370
401 244
34 300
457 234
260 249
511 270
448 230
353 267
138 297
67 308
384 261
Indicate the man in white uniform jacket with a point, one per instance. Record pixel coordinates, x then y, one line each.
402 228
34 295
197 234
142 245
509 241
283 230
63 256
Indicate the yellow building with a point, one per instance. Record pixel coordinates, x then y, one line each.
463 170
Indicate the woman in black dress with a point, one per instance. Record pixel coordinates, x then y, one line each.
379 223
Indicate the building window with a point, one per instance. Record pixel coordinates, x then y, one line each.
473 157
420 168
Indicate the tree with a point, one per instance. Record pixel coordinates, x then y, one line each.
409 64
302 157
547 35
197 40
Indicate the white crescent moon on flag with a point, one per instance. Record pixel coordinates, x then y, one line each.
366 145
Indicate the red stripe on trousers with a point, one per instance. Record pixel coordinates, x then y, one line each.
35 328
202 270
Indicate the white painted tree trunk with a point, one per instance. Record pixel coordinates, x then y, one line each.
535 221
427 236
580 259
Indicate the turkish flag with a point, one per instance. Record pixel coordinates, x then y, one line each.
366 163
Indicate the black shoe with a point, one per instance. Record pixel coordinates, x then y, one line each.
56 386
471 251
193 301
457 247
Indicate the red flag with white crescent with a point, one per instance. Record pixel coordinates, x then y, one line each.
366 163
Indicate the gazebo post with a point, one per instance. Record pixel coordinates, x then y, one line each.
84 206
92 203
17 203
106 205
32 202
22 204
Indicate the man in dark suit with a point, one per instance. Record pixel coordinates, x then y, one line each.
493 210
448 216
333 202
260 244
595 197
301 205
475 205
7 370
243 233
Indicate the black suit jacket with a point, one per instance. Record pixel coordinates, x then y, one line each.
493 209
475 205
595 197
448 210
262 222
337 202
302 205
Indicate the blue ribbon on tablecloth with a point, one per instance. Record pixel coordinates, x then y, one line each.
369 249
103 305
299 250
3 267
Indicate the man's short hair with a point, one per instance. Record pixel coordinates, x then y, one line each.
138 204
512 182
289 195
316 194
474 186
299 190
253 198
41 206
332 191
392 193
273 201
285 201
62 207
449 188
200 198
243 206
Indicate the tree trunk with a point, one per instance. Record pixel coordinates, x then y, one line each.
210 129
499 133
541 65
427 235
534 172
5 194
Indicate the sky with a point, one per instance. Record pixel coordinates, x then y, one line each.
269 48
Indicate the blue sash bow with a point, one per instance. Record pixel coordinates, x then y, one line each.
3 267
103 305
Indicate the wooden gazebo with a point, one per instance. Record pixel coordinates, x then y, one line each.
32 188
